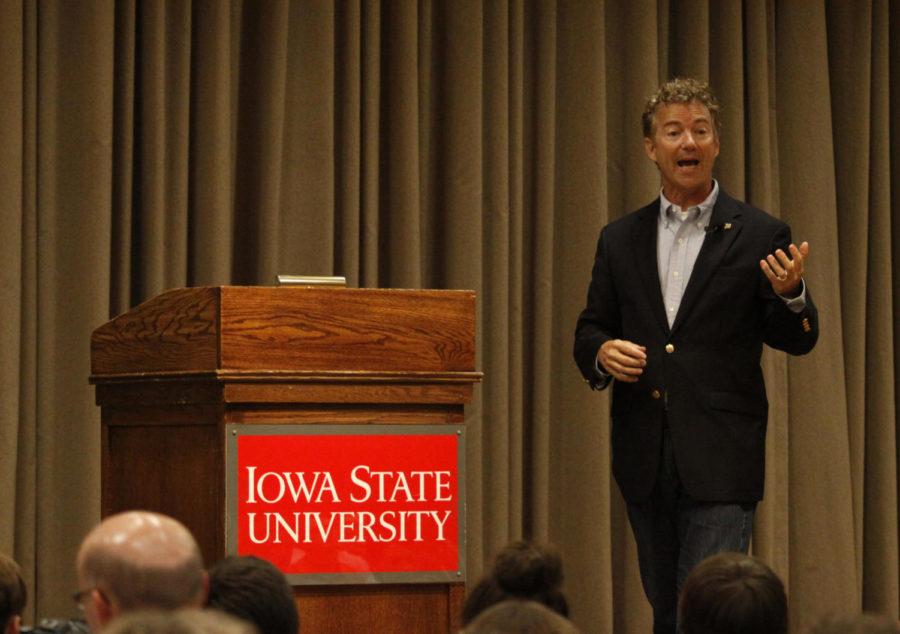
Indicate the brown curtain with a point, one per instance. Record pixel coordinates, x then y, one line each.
464 144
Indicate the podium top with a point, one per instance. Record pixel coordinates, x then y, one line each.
235 329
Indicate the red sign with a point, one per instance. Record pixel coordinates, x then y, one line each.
349 503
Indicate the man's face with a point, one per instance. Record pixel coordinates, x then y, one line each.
684 146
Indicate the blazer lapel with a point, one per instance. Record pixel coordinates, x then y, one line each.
724 227
644 237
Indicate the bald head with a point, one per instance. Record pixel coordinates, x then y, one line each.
142 560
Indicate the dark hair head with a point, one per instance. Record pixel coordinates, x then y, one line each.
13 594
680 90
521 571
732 593
515 616
256 591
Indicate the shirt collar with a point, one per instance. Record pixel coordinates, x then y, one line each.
704 209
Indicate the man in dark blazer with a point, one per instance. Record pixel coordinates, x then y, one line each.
683 294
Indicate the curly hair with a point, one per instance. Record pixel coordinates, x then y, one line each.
680 90
522 570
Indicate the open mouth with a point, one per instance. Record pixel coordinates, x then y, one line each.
688 163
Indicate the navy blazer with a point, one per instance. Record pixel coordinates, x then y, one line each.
703 376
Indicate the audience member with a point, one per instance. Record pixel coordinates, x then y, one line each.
732 593
256 591
138 560
521 571
515 616
184 621
857 624
13 596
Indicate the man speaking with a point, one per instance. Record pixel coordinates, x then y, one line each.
683 294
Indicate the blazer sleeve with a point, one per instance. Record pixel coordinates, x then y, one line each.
600 321
795 333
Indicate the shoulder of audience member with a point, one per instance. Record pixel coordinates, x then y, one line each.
183 621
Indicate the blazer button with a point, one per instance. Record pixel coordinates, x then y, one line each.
670 348
655 394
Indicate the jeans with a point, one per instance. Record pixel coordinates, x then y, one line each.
674 533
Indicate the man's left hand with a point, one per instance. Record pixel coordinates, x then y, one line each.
785 272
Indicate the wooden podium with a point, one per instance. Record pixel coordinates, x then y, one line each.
173 372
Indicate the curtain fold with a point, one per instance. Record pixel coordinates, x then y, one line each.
17 437
211 146
466 144
73 183
819 477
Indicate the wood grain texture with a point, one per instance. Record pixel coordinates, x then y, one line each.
389 609
346 392
212 388
169 468
345 414
348 329
187 391
455 598
174 371
274 329
177 330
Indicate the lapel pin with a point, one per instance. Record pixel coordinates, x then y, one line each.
727 226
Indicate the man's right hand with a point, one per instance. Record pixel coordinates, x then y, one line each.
624 360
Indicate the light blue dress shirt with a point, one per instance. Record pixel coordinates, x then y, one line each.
679 237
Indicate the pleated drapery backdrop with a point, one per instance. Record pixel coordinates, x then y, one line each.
464 144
